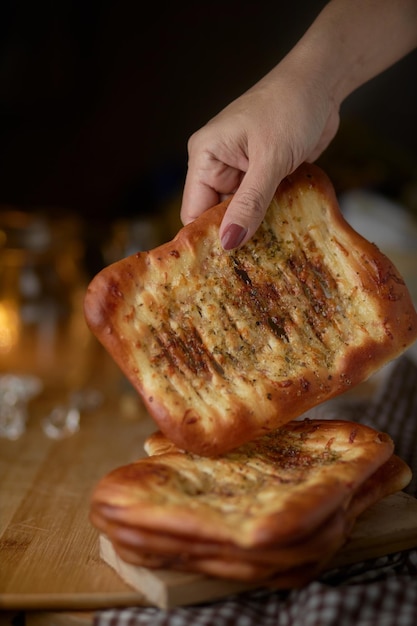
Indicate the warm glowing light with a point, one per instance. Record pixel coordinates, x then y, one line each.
9 326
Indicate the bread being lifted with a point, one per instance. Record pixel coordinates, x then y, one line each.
224 346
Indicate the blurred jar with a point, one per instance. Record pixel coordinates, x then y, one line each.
42 285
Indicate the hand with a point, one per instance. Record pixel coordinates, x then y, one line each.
247 149
292 114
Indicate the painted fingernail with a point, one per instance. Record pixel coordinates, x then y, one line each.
233 236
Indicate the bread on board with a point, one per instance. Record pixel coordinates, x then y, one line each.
276 508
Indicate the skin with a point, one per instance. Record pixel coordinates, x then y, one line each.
292 114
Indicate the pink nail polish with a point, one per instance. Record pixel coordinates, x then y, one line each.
233 236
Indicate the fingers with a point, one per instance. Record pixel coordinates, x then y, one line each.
209 180
218 160
248 207
253 192
197 197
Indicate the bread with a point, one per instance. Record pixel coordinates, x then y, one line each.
277 508
277 487
225 346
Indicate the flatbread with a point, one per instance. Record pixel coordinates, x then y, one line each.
391 477
276 489
223 346
173 547
221 527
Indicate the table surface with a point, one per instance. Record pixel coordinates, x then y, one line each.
49 550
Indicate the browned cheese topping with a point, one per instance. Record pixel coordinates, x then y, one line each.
224 346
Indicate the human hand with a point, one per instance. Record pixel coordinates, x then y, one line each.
285 119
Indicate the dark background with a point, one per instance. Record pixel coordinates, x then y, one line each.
98 99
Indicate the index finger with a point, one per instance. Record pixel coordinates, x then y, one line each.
198 196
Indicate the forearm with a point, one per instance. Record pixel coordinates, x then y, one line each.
351 41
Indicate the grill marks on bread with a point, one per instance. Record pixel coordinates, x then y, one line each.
279 310
223 346
256 305
274 490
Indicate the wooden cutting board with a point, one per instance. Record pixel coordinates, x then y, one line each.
49 551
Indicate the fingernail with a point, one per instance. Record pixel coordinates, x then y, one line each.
233 236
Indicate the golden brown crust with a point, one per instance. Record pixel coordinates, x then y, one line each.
393 476
236 516
265 573
275 489
327 537
157 443
223 346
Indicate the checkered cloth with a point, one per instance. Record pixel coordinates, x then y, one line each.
378 592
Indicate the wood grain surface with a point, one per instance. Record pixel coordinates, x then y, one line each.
49 554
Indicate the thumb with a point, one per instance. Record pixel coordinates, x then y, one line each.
247 208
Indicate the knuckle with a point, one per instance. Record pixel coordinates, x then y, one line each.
251 203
